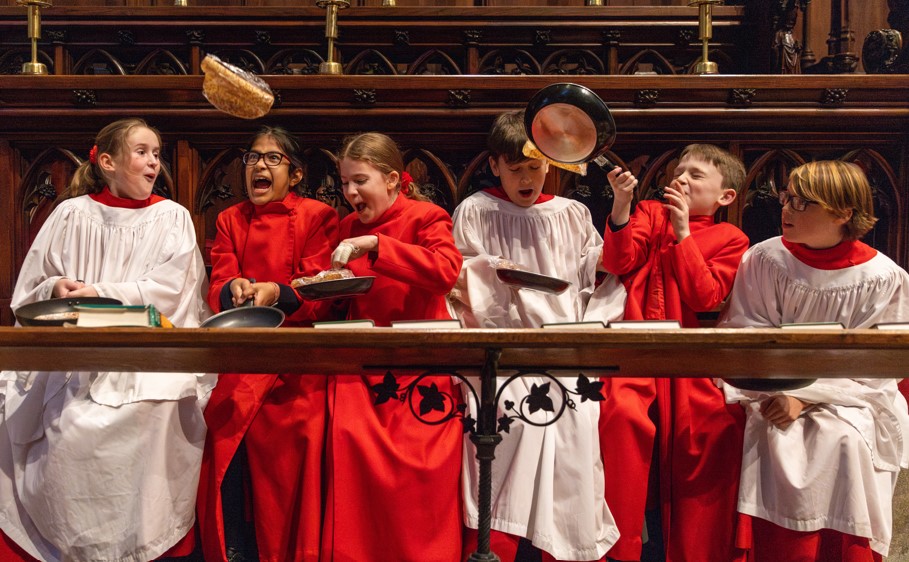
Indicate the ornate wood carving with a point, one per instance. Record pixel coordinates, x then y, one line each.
742 97
365 97
458 98
646 98
834 96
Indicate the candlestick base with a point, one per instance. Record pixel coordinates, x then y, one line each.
330 68
706 67
34 68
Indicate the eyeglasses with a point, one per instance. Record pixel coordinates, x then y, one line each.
797 203
271 159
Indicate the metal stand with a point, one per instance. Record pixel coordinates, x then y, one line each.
330 66
34 33
705 33
485 431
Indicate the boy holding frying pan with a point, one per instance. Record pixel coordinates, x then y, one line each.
675 260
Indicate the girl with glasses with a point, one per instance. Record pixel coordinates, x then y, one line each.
820 463
268 428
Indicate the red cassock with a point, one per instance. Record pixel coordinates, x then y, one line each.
393 481
280 418
700 435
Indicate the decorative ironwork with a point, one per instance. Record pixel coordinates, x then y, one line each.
401 38
126 37
40 193
85 97
741 97
366 97
458 98
262 37
472 37
646 98
433 407
195 36
542 37
834 96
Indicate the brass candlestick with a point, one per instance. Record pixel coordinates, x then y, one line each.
181 3
705 32
388 3
331 33
34 33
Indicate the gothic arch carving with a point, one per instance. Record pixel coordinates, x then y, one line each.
12 60
433 176
98 61
573 62
509 62
161 62
760 208
434 62
294 61
370 62
658 63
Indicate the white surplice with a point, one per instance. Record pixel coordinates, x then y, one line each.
547 482
836 466
104 466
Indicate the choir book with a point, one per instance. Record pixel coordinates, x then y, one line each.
116 315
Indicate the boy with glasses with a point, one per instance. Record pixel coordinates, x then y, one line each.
820 463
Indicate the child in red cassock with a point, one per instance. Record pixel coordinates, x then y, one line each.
675 261
392 480
274 423
820 463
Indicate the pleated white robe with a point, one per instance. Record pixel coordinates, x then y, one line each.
836 466
104 466
547 482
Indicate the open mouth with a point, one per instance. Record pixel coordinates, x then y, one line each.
261 185
151 177
526 192
360 207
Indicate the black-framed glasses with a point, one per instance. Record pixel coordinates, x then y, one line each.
797 203
271 159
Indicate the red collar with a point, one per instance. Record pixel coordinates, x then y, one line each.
847 253
500 193
105 197
282 207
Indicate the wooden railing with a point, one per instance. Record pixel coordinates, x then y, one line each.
771 353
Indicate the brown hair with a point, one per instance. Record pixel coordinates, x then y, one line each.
508 136
88 177
383 154
838 187
729 165
289 145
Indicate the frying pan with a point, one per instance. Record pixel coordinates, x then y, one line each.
246 317
569 123
28 315
769 385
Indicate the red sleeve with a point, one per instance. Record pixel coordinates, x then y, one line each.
626 249
431 263
318 237
225 267
705 264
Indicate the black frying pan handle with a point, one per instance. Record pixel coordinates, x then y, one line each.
605 163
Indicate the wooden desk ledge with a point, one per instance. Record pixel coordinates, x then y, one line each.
707 352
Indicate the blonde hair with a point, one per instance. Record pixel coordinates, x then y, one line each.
729 165
88 177
383 154
838 187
